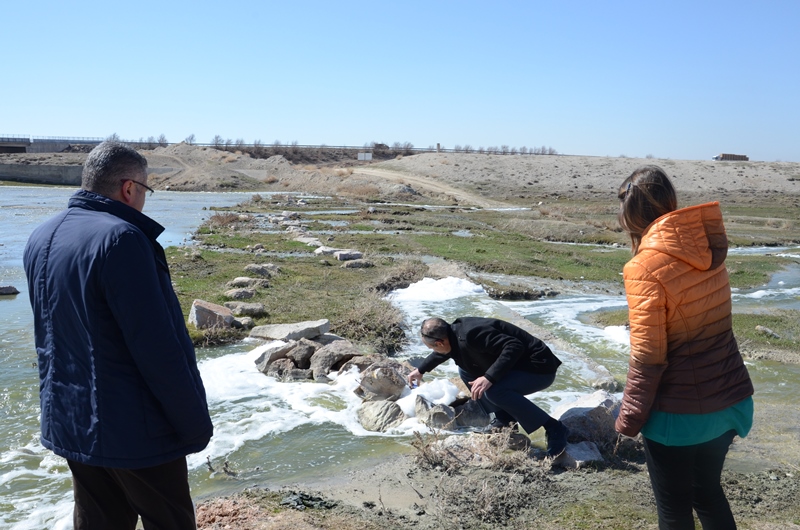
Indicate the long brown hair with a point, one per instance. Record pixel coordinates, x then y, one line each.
644 197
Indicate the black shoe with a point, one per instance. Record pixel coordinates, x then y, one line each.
495 426
556 439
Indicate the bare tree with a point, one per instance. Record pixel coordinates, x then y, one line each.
228 144
113 138
162 140
513 150
190 139
551 151
480 149
503 149
523 150
239 145
217 141
151 142
468 148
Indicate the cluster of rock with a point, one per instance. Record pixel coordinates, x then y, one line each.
353 259
308 352
235 314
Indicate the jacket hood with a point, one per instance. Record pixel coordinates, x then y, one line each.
695 235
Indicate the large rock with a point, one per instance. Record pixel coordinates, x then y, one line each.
435 416
471 415
578 455
285 370
266 270
302 352
383 380
357 264
362 362
8 290
249 309
244 323
345 255
591 418
325 251
331 357
204 315
240 294
380 416
327 338
272 353
309 240
244 281
308 329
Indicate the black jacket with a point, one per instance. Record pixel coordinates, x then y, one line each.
490 347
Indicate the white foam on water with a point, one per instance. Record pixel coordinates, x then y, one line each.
437 391
762 294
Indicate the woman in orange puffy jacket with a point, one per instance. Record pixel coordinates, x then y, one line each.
688 391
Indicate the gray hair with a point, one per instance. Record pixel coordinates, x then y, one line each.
109 164
434 329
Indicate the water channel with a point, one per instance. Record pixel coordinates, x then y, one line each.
273 433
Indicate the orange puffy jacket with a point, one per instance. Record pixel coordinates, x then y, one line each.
684 357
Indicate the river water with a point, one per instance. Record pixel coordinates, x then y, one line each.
269 433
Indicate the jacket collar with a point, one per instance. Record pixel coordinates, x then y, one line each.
89 200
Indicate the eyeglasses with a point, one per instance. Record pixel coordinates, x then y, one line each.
145 186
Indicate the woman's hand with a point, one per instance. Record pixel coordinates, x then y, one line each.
414 378
479 386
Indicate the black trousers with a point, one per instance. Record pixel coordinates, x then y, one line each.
112 498
506 398
686 478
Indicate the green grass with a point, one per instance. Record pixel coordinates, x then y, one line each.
305 289
785 323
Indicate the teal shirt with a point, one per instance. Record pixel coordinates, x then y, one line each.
667 428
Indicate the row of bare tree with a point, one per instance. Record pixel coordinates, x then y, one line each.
379 149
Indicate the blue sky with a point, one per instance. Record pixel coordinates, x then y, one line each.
682 80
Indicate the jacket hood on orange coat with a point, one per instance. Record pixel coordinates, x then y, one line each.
695 235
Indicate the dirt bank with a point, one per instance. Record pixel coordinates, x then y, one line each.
456 178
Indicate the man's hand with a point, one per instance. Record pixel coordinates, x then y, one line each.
479 386
414 378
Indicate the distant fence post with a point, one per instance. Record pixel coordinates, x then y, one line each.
438 147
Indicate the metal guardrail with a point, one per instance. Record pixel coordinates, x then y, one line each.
36 139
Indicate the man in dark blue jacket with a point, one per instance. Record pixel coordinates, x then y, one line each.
121 396
501 364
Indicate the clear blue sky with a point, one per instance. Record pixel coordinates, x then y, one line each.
683 79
